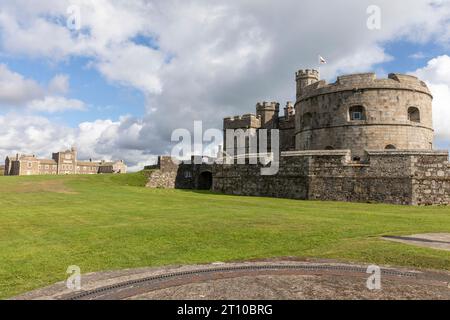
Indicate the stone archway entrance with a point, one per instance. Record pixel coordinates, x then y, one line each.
205 180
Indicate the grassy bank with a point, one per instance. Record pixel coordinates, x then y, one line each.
111 222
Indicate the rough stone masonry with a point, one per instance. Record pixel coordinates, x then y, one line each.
359 139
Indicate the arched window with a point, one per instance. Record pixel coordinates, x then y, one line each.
414 114
357 113
390 147
307 121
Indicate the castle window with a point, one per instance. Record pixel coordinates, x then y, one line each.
188 175
391 147
307 121
414 114
357 113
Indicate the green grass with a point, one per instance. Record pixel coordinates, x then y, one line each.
109 222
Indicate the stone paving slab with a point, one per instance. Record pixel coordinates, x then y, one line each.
274 284
440 241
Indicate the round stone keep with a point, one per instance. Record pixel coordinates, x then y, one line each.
360 112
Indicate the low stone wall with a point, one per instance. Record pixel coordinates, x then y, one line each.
173 177
431 179
396 177
169 175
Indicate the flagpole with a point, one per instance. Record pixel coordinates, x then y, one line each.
319 65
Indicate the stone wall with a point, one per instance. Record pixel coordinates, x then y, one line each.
396 177
431 179
168 174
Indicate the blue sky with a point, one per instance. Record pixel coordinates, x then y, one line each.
108 100
137 70
105 100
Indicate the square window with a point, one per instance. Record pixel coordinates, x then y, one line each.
357 115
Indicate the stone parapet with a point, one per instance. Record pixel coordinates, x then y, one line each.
409 177
366 81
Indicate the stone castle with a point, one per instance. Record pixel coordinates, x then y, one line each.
357 113
359 139
62 163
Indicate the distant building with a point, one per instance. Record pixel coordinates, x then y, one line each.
64 162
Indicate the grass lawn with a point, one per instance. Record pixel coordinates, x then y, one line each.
110 222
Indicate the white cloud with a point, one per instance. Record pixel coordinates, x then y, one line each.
21 133
59 84
133 65
437 75
18 92
99 140
204 60
15 89
418 55
52 104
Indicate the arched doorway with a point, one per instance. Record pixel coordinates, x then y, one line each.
205 181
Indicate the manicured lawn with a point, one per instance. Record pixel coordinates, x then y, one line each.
112 222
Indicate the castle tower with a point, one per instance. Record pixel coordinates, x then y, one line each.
269 113
305 78
360 112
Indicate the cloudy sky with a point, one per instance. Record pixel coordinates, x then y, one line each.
118 78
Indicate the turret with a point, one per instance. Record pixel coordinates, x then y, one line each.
269 113
305 78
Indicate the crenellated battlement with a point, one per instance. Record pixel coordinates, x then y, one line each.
243 117
246 121
273 106
364 81
307 73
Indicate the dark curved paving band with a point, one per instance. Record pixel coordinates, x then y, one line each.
136 287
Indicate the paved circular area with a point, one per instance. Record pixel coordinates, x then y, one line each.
269 280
